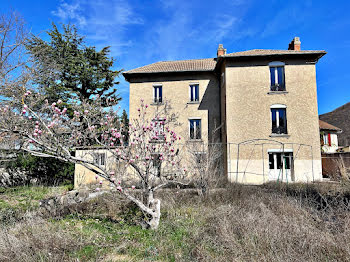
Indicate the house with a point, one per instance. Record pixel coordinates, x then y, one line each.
261 105
329 137
340 117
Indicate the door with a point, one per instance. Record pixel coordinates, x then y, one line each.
281 166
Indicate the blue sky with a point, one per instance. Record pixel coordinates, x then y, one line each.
143 32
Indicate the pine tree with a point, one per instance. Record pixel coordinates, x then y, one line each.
125 122
69 70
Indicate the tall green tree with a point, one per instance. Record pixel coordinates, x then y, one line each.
125 124
68 69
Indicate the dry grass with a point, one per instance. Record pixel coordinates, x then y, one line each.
274 222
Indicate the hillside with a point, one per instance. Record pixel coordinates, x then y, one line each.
340 117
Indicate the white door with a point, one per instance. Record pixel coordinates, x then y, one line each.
281 166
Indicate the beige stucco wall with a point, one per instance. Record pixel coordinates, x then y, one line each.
83 176
176 91
248 116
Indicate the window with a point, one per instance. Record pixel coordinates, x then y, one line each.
158 129
157 94
194 93
279 119
277 160
100 159
157 163
327 139
277 76
195 129
200 157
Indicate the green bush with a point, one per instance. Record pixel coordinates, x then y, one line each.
47 171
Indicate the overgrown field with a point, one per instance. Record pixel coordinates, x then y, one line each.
273 222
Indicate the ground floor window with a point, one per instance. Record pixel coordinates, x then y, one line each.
281 166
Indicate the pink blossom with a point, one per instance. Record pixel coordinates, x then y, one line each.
101 182
111 173
86 112
133 187
113 179
96 177
59 101
119 188
98 189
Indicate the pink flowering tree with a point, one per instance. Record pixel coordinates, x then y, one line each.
46 130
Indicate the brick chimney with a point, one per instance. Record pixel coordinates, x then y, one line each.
221 51
295 44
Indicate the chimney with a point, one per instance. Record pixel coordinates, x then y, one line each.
221 51
295 44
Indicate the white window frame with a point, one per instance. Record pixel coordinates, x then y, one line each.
194 92
189 128
98 157
159 128
278 106
275 65
156 95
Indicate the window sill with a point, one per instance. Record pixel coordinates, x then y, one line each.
156 104
277 92
193 102
195 140
280 135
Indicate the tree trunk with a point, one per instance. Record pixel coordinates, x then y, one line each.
153 223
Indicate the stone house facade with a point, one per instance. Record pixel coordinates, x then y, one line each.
260 104
329 137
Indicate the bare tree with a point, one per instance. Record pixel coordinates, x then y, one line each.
206 165
13 70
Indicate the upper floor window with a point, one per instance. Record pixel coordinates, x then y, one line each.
279 119
157 94
327 139
195 129
158 129
194 93
277 76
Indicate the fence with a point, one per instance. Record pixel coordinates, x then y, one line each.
335 165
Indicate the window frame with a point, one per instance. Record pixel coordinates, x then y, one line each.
195 119
158 94
162 136
100 159
194 93
280 130
277 87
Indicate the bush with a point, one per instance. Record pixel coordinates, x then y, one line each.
42 170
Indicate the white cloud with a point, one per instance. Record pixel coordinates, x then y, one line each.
70 12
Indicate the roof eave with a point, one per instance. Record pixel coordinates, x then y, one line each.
129 75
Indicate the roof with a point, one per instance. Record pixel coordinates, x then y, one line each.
196 65
272 52
326 126
209 64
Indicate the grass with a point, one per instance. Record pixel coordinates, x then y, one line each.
239 223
